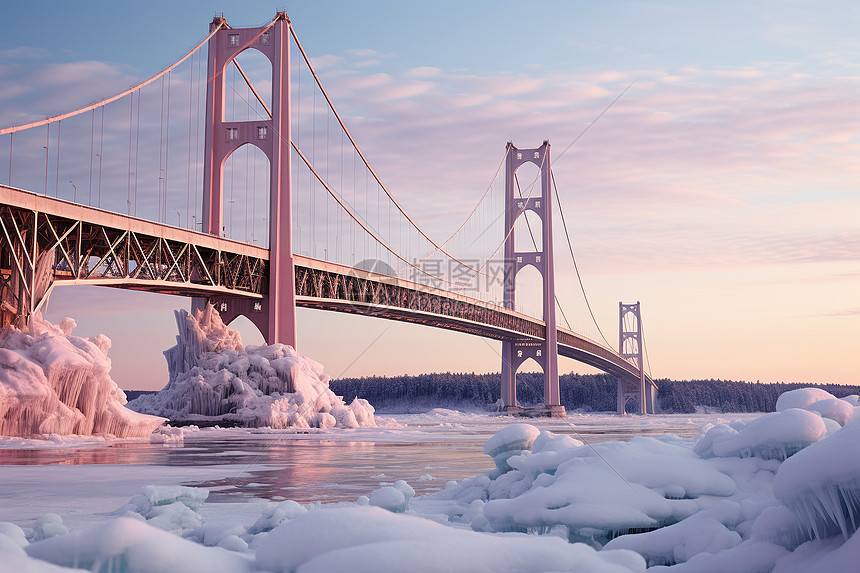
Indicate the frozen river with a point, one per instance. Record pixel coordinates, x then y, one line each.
87 502
427 450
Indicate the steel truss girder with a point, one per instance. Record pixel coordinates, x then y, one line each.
40 249
346 290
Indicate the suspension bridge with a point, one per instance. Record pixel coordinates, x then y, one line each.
276 207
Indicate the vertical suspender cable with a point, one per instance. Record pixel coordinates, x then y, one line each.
340 211
161 151
166 148
248 191
311 188
352 225
247 152
136 151
130 140
57 182
188 177
92 142
197 141
327 199
252 191
101 153
47 137
11 135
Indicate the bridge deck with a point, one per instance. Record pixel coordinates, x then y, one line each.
46 241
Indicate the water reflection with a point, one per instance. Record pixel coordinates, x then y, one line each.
307 469
303 470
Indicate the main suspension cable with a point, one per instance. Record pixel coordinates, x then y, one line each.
364 159
366 228
104 102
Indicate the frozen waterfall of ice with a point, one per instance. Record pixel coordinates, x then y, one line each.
53 382
214 378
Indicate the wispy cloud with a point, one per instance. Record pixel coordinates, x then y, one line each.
694 166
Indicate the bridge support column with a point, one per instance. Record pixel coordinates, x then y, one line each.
631 348
275 315
545 352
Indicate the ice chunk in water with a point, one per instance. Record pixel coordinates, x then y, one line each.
52 382
509 442
390 498
214 377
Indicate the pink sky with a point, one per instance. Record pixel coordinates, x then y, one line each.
722 190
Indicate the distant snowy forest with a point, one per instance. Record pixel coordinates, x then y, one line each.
588 392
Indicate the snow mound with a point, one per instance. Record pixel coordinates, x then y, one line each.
801 398
369 539
777 435
589 493
835 409
52 382
214 378
126 544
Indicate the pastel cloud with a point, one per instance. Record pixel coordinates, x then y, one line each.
692 144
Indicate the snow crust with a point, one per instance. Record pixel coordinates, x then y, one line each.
53 382
214 378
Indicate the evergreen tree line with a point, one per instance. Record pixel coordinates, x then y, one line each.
587 392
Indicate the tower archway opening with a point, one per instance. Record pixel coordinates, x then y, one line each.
240 101
246 196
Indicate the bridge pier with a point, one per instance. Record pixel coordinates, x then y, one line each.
275 316
515 352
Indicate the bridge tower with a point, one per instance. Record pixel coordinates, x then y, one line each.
275 314
515 352
631 348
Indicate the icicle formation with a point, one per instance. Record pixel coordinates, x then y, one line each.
52 382
821 485
214 378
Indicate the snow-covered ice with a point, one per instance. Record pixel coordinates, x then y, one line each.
53 382
215 379
718 501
